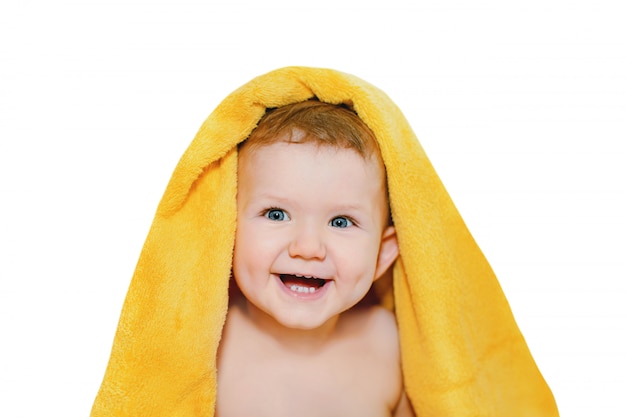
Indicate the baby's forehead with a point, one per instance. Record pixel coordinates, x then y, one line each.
290 143
312 164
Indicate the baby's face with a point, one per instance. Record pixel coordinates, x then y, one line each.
312 231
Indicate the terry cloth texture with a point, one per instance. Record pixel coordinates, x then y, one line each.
462 352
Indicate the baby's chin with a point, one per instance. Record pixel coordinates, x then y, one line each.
306 325
307 322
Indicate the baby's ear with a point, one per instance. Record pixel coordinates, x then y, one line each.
388 251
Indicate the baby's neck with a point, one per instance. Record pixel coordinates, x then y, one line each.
299 341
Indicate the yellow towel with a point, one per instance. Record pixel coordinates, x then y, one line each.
462 352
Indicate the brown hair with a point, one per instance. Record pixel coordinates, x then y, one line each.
317 122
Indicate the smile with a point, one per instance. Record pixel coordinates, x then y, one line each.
302 284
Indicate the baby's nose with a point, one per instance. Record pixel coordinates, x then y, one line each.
308 243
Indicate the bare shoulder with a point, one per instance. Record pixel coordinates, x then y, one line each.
374 329
384 331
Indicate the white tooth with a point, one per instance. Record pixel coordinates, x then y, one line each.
298 288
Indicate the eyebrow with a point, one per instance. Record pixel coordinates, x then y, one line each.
268 196
349 207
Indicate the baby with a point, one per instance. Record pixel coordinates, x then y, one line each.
289 203
313 234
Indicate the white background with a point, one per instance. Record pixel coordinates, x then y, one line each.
520 105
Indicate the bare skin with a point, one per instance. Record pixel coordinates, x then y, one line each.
350 366
312 236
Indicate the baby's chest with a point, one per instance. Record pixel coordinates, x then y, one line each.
332 387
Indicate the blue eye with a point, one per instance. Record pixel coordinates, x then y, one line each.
341 222
276 215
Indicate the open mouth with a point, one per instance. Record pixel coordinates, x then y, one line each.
304 284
